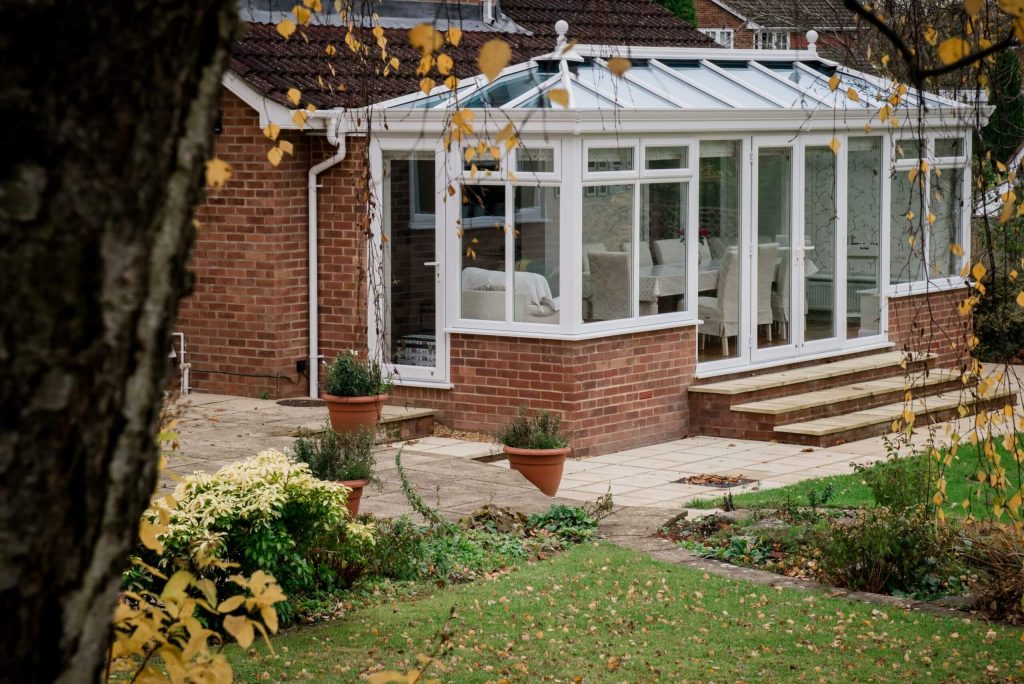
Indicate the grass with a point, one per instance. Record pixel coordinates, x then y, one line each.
602 613
850 491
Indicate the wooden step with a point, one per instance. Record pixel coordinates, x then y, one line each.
879 420
888 361
862 394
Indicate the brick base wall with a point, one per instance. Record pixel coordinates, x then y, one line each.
612 393
931 323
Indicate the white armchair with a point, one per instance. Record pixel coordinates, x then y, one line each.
609 282
720 314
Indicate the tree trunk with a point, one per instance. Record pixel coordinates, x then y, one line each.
108 111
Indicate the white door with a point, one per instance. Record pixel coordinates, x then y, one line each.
406 294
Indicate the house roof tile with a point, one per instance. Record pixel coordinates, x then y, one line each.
272 65
793 14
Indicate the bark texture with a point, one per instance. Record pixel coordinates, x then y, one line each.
108 111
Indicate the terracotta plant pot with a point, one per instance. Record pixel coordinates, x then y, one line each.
348 414
355 495
542 467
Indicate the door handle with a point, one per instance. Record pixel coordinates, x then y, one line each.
431 263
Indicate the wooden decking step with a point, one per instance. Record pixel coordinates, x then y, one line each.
859 390
884 415
822 371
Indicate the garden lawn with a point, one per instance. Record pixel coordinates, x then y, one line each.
604 613
850 491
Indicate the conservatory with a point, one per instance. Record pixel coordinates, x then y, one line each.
773 201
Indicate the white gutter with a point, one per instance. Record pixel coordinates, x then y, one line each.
337 127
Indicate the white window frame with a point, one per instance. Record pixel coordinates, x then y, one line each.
419 219
773 39
602 143
931 283
716 34
522 177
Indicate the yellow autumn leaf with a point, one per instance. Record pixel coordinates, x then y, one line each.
953 49
230 604
330 50
454 35
494 56
978 271
835 145
972 7
957 250
218 172
1012 7
427 84
275 155
833 82
444 64
286 147
272 131
931 35
286 27
852 95
425 38
619 65
302 14
559 96
299 118
931 218
1020 298
240 627
294 96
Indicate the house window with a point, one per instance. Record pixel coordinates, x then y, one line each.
634 230
723 37
422 196
771 40
927 238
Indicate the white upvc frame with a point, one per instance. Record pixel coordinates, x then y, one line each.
632 143
528 177
931 283
716 33
438 375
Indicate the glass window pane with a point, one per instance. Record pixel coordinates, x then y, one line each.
820 236
947 205
483 252
774 260
718 280
909 149
949 147
408 223
607 270
906 255
537 287
864 228
605 159
663 213
675 157
535 160
481 159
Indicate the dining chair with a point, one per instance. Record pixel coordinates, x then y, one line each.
609 283
645 252
670 251
720 314
766 255
781 297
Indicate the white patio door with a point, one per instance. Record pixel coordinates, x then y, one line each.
406 295
793 302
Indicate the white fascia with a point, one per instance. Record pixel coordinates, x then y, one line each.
270 112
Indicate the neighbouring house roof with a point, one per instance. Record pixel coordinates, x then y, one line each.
798 15
272 65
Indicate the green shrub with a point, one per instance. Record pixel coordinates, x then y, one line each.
542 431
571 523
888 551
350 376
334 456
901 483
266 513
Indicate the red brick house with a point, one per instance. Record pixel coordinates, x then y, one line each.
747 24
638 243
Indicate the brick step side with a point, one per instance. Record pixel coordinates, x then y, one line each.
942 408
400 428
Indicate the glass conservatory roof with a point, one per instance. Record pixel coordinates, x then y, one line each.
683 78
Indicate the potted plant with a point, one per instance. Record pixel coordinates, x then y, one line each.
341 457
536 448
356 392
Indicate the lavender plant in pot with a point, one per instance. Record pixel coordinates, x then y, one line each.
356 391
341 457
536 448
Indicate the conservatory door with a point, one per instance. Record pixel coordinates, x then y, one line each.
792 298
410 336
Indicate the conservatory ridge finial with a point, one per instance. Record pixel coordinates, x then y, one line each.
561 28
812 40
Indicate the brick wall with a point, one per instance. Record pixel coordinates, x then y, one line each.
931 322
245 320
613 393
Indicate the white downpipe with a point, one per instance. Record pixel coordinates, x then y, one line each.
337 127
